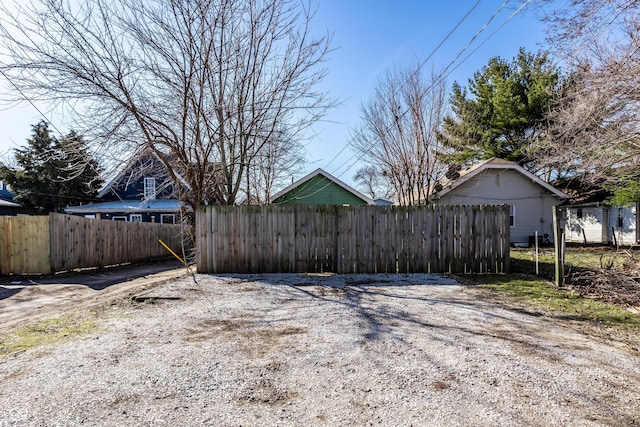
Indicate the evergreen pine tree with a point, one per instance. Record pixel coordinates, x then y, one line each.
503 112
52 174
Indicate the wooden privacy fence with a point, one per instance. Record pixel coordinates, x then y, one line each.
353 239
48 244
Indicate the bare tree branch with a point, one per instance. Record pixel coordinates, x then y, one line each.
595 133
208 85
399 132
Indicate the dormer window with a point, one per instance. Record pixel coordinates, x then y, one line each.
149 188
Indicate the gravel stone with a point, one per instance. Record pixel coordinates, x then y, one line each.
344 350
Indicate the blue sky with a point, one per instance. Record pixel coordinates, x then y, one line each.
371 36
368 37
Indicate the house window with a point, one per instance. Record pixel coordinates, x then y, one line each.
136 218
512 215
579 213
119 218
620 218
168 219
149 188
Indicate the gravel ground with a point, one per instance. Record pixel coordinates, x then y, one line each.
345 350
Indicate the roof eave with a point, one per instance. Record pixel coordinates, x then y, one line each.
513 166
137 155
331 178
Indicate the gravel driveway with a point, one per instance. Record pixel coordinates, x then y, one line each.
345 350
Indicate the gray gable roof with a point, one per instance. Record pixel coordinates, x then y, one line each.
494 163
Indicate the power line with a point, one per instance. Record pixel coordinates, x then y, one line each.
422 63
442 74
488 38
24 96
445 73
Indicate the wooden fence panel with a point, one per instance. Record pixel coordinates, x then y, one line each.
47 244
77 242
363 239
24 245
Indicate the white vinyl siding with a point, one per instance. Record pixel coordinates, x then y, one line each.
587 223
622 221
601 224
531 202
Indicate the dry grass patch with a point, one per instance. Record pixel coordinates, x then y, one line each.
46 332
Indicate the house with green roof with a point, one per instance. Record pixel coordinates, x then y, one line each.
320 188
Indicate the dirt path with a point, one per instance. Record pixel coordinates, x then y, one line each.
26 300
346 350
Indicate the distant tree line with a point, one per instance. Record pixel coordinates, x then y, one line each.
223 91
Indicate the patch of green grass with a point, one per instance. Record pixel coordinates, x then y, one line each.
542 294
45 333
523 259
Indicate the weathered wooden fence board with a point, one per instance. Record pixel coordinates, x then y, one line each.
24 244
47 244
353 239
81 242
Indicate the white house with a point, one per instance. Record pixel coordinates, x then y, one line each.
599 223
501 182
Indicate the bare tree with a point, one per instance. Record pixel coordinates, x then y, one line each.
374 183
208 85
399 131
589 28
591 131
277 162
595 133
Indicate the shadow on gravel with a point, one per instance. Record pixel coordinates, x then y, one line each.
358 293
94 279
8 293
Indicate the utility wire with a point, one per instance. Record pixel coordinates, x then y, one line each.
446 72
423 62
442 75
488 38
26 98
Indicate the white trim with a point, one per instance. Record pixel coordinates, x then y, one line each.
129 206
7 204
135 218
512 214
119 218
331 178
149 187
